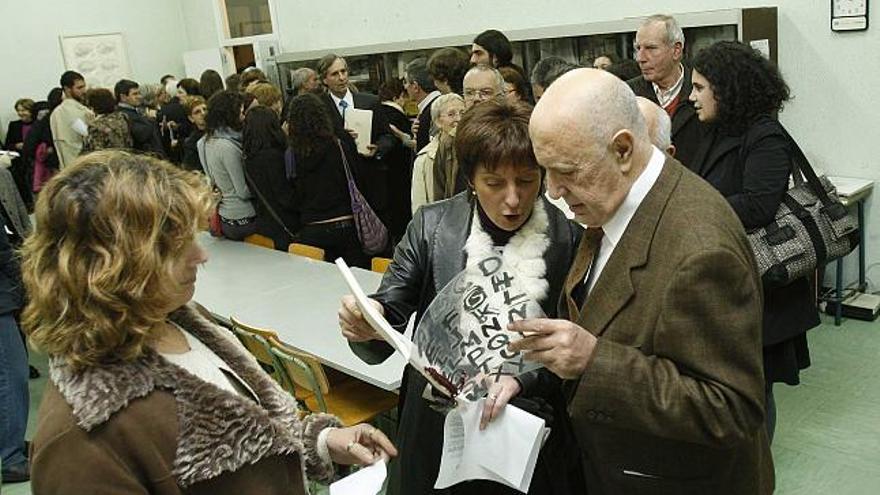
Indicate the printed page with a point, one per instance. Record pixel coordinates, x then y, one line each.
361 122
505 452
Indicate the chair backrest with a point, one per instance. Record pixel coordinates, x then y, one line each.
380 265
312 252
256 341
303 370
260 240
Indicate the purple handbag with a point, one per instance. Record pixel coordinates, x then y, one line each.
370 229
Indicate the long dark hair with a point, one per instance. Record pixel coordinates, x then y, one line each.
210 83
309 125
224 110
262 130
746 85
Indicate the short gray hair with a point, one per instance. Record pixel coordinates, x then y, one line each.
548 69
499 79
300 76
150 94
663 138
674 34
417 71
439 105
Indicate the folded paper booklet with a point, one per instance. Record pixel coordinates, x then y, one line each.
505 452
460 344
361 122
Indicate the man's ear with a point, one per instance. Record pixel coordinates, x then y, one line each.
678 50
671 150
622 145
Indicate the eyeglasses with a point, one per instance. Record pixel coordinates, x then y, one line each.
484 93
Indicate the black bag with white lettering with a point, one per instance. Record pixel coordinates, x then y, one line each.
811 228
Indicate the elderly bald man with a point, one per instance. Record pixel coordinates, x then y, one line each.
659 131
661 334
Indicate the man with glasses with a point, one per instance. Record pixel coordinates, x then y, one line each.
481 83
665 80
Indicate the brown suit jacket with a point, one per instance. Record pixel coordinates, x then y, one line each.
672 399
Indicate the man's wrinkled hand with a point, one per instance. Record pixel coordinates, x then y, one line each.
560 345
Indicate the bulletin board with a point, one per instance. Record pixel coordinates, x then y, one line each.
101 58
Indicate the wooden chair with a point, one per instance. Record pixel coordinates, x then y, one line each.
260 240
312 252
256 341
380 265
352 400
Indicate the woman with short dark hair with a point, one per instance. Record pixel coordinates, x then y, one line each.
502 211
221 156
16 134
747 157
110 129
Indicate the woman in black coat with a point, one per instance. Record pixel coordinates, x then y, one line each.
747 157
398 160
16 133
264 146
502 210
323 198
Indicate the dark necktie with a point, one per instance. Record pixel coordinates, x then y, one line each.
343 105
575 289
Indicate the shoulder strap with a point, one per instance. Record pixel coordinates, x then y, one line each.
800 165
263 200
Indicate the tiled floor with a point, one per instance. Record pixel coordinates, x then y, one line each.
828 435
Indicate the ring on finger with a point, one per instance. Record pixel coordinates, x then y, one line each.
493 396
350 445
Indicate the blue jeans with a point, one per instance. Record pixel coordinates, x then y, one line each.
14 395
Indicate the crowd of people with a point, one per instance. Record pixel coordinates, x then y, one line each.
632 192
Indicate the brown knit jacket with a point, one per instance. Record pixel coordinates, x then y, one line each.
148 426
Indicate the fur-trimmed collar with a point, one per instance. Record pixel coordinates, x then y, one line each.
237 431
524 253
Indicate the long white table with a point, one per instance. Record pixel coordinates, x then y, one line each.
295 296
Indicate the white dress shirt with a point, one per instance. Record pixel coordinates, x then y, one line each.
348 99
615 227
665 97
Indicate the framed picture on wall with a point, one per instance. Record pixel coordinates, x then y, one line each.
101 58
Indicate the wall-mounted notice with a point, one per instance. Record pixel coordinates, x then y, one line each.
101 58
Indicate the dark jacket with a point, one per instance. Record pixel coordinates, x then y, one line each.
321 185
398 181
21 167
191 159
372 182
428 257
687 131
423 137
144 132
11 292
672 397
173 111
751 171
148 426
268 182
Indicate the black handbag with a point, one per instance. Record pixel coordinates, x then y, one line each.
811 227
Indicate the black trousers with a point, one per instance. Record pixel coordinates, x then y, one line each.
337 239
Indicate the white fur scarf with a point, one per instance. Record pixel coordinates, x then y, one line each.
523 255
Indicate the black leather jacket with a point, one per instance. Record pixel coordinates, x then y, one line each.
431 253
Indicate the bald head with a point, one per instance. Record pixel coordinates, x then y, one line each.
594 104
658 123
588 133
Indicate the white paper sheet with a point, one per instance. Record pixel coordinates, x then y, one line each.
361 122
366 481
505 452
400 343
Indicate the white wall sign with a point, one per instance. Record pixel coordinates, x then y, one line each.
101 58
